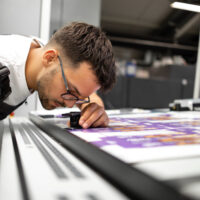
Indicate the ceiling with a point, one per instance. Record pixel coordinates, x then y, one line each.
150 20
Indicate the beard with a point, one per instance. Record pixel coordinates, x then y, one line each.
43 88
43 97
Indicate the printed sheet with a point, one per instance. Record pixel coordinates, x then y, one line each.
150 136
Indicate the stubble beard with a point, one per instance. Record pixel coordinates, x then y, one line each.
43 88
43 98
43 85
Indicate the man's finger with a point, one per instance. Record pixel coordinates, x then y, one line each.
103 121
87 112
93 117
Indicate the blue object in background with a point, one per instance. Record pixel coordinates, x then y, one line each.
130 68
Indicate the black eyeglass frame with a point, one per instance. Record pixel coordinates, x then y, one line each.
78 101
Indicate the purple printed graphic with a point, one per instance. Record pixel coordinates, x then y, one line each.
177 131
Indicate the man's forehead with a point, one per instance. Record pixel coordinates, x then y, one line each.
85 92
82 79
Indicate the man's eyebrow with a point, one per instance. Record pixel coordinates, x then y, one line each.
75 89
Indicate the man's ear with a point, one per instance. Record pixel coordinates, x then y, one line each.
50 56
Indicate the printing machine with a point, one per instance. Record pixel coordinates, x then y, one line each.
40 160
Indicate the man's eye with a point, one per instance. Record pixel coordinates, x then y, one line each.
70 89
73 92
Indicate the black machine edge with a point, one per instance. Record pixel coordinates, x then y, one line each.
127 179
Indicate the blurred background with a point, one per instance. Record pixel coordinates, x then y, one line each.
155 45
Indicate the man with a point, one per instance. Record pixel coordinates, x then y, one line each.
75 63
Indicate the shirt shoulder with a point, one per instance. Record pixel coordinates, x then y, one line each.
14 51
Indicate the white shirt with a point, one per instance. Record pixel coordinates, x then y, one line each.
14 51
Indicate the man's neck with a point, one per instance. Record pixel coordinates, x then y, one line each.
33 65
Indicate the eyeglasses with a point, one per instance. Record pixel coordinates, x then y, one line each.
68 95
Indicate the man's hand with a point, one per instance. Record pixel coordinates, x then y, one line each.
93 115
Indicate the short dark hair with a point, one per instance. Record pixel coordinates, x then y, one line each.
83 42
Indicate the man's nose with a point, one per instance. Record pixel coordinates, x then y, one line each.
69 104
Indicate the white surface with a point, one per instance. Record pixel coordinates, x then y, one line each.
176 171
171 169
44 184
20 17
197 74
55 111
186 6
66 11
9 180
45 20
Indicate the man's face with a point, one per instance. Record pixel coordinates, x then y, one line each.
81 82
